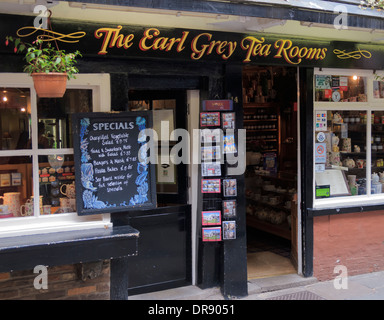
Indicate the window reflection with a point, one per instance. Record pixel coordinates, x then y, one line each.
15 118
55 117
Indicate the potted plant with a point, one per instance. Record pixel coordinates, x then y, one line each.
49 67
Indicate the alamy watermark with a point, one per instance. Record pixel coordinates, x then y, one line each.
341 280
41 281
232 147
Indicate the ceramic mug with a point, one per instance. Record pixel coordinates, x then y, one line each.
46 209
27 209
12 200
65 202
68 190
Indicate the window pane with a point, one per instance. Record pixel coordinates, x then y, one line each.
340 153
16 187
56 181
54 116
377 142
378 89
15 118
340 88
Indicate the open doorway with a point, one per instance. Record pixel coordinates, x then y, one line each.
270 118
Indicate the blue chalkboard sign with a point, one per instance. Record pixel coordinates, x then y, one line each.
111 162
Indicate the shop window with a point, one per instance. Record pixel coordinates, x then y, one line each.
378 89
15 118
348 140
339 88
54 117
36 154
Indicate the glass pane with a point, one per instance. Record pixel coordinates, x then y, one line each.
16 187
54 116
56 181
378 89
340 88
340 153
15 118
377 142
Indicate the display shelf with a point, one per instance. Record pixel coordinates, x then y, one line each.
281 230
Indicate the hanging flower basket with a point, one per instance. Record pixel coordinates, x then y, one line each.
49 66
50 85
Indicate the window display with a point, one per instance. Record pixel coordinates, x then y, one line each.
348 139
338 88
56 172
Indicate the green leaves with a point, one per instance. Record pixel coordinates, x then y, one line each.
45 59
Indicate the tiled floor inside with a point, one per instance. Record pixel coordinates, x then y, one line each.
267 255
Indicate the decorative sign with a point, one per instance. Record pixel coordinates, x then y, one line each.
111 152
114 40
217 105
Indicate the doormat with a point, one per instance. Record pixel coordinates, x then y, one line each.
302 295
268 264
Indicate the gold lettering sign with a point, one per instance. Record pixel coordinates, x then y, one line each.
204 44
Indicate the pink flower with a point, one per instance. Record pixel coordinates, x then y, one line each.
15 50
6 42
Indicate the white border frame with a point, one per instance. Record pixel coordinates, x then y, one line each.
372 104
100 85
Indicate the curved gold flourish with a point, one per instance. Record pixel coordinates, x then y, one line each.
341 54
50 35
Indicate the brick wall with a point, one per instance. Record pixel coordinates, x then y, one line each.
354 240
64 283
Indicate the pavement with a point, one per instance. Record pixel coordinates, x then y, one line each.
286 287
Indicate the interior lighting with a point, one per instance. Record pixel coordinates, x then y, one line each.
354 77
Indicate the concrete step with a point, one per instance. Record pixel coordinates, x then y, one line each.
255 286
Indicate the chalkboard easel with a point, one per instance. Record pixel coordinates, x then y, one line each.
113 173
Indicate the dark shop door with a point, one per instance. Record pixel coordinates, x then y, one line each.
164 246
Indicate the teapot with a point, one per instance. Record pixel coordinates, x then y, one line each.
68 190
337 118
350 163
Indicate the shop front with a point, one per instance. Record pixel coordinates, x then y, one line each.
307 173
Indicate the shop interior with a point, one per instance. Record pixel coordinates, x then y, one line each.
270 118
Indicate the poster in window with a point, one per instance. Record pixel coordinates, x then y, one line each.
211 186
210 136
229 230
229 143
211 153
211 234
229 209
230 187
209 218
335 179
211 169
210 119
228 120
